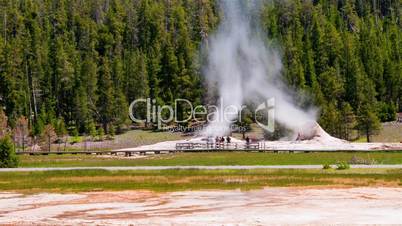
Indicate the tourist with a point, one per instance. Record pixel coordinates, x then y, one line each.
248 140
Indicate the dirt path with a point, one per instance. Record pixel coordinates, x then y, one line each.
257 207
112 168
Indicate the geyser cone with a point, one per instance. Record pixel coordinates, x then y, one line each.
313 131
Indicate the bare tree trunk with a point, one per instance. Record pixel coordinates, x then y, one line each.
48 141
85 144
34 101
65 143
29 92
5 28
58 147
23 142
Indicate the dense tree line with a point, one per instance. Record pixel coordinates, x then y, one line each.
347 54
81 62
76 65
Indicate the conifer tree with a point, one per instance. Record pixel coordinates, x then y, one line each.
106 102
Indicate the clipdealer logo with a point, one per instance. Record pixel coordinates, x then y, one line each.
264 114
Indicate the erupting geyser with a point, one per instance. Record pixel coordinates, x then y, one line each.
244 69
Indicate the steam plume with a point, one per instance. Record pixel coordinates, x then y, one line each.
246 70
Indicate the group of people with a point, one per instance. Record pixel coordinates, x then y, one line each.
222 139
219 140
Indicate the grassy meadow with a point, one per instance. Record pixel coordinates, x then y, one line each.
208 158
176 180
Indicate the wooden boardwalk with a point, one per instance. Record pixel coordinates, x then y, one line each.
95 152
218 146
193 147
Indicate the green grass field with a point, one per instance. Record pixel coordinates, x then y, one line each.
216 158
175 180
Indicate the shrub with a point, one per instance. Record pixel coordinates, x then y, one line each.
326 166
109 137
358 160
8 157
75 139
101 134
112 132
48 136
3 123
342 166
91 129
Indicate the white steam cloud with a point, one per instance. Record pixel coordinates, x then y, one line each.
246 70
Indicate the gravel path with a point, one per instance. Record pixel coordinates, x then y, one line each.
396 166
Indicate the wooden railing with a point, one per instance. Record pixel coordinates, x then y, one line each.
218 146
